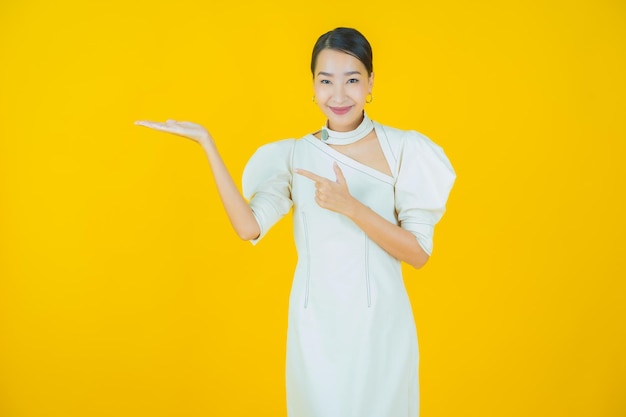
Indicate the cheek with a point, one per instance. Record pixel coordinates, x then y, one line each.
359 93
320 92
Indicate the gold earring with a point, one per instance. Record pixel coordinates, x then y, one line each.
313 99
371 98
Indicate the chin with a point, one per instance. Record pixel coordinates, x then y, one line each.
344 121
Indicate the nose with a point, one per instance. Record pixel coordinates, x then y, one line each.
339 93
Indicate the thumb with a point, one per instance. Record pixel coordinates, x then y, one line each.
340 178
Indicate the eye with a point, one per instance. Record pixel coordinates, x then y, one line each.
325 81
353 80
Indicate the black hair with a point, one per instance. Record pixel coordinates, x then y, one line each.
347 40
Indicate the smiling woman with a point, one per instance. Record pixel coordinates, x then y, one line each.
341 85
365 197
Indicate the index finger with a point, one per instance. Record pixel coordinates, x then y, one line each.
309 175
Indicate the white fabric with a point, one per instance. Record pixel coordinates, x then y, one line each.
352 344
332 137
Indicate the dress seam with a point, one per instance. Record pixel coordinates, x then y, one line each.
367 273
308 261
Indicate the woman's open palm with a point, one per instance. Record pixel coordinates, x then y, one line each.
188 130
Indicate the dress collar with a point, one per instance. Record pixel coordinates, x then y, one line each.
332 137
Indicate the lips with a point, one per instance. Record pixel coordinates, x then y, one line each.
340 110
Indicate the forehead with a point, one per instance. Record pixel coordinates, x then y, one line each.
331 60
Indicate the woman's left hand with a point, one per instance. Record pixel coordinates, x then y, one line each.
332 195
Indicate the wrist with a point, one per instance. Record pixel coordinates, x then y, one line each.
354 209
206 141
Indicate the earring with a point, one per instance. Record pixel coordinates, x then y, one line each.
371 98
313 98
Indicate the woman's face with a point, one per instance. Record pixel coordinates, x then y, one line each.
341 85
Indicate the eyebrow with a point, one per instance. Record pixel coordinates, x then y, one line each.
328 74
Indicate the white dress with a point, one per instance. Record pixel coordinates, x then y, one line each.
352 344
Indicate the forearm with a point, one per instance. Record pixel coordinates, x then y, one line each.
399 243
237 208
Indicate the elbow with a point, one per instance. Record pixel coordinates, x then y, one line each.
418 261
248 233
418 257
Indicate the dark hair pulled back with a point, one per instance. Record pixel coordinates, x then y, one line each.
347 40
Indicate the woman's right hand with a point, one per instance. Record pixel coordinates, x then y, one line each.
187 130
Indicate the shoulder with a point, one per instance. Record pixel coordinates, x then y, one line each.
283 145
270 161
410 145
273 151
400 138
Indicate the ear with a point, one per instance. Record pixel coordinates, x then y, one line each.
371 81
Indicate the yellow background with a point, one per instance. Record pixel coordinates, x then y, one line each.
123 291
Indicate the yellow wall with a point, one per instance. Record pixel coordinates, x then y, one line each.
124 293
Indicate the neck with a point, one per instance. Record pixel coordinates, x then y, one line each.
333 137
349 128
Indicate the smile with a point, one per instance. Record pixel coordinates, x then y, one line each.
340 110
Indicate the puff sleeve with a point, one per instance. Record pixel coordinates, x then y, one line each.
424 180
266 183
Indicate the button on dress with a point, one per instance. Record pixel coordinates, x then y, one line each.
352 348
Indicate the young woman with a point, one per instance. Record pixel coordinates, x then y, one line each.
365 197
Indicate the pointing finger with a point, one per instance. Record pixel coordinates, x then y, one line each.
309 175
340 178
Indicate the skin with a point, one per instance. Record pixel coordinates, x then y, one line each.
340 80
